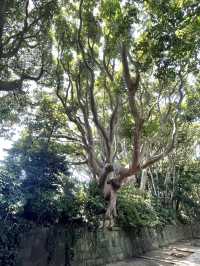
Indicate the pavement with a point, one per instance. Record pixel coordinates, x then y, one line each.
183 253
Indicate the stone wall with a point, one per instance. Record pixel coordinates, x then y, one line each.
106 246
42 246
54 247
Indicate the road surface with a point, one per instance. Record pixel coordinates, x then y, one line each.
184 253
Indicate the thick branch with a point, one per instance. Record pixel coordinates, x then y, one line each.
91 87
93 163
28 77
108 168
106 68
132 85
63 136
84 109
14 85
113 120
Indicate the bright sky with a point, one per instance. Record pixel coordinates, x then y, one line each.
4 144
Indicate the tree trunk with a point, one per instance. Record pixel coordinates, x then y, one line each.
110 188
144 179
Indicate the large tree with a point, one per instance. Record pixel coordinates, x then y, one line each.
120 73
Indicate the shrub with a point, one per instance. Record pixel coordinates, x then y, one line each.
94 204
135 208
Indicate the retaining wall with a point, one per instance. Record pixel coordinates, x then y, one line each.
58 246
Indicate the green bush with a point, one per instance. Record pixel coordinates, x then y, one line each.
94 205
135 208
165 215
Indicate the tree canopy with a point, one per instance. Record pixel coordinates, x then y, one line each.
117 84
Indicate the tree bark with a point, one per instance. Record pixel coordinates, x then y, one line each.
144 179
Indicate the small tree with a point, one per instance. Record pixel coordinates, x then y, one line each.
42 171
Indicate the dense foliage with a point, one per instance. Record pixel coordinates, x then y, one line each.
36 183
105 96
135 209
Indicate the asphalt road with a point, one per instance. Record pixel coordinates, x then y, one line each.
184 253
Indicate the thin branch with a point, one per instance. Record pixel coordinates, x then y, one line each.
171 145
106 67
63 136
78 163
